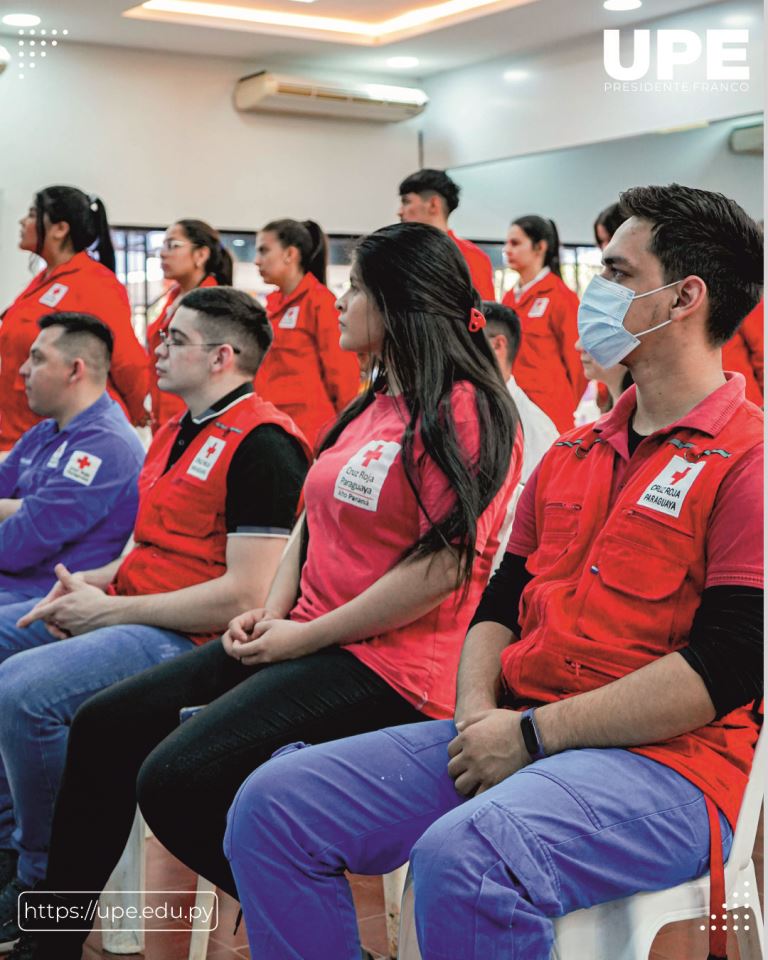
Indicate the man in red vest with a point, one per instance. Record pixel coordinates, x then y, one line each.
610 680
430 196
217 499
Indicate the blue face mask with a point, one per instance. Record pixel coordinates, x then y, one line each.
601 320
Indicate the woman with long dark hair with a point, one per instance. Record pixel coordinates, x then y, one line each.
191 255
61 226
365 619
547 367
306 373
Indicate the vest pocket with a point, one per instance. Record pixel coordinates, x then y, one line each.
559 527
634 593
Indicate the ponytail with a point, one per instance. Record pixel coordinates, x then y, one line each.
219 262
86 217
308 238
538 229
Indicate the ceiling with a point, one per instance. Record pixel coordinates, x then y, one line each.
494 28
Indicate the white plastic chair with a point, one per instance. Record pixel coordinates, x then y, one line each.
625 929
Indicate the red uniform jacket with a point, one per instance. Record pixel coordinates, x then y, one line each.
547 367
480 266
86 286
305 372
616 587
744 353
165 405
181 533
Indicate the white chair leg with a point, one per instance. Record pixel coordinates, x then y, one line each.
125 888
394 884
201 929
408 945
750 941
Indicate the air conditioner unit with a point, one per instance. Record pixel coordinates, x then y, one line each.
747 139
266 92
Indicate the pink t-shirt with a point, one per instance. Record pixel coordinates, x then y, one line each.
363 515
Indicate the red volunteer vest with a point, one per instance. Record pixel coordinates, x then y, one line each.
617 587
181 532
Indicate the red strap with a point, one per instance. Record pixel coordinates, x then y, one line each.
718 935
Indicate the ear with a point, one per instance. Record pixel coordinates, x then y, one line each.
58 232
435 205
292 255
223 358
692 295
79 370
201 256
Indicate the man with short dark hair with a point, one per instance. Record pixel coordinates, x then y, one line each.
610 682
218 498
430 196
68 489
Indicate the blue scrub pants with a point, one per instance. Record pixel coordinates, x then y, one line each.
42 683
569 831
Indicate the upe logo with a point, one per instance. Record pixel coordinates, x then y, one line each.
678 48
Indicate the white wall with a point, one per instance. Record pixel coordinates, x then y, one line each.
475 115
572 186
157 137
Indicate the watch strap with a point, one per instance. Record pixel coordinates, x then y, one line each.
531 736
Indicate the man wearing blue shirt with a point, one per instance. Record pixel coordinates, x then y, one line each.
68 488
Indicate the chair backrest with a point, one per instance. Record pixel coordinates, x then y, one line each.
749 815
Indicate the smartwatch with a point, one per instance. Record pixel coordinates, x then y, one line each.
531 736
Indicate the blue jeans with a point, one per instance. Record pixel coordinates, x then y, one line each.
569 831
8 596
42 683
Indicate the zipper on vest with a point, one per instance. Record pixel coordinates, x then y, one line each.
562 506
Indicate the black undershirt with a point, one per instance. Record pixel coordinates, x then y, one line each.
265 476
725 645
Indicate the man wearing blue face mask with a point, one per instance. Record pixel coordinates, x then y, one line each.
606 714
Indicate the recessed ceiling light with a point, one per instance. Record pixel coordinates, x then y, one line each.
737 20
21 20
239 242
402 63
512 76
617 5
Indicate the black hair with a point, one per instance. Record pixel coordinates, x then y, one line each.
219 262
308 238
611 218
506 322
700 233
538 229
429 181
236 316
419 283
80 327
86 216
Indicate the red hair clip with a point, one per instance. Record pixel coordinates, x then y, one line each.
476 320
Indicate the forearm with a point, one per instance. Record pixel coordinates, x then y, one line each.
8 507
479 679
662 700
285 587
202 608
407 592
101 577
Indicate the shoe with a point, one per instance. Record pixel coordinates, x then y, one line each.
8 861
9 913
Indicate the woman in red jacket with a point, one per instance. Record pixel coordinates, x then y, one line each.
192 255
305 373
547 367
744 353
61 226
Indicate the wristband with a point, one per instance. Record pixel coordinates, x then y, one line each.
531 736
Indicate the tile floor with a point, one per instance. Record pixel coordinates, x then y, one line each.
680 941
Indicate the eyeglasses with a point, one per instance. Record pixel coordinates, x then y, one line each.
169 340
170 245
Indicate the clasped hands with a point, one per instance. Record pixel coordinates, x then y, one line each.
71 607
263 636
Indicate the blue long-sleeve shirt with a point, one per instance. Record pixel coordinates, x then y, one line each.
79 495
